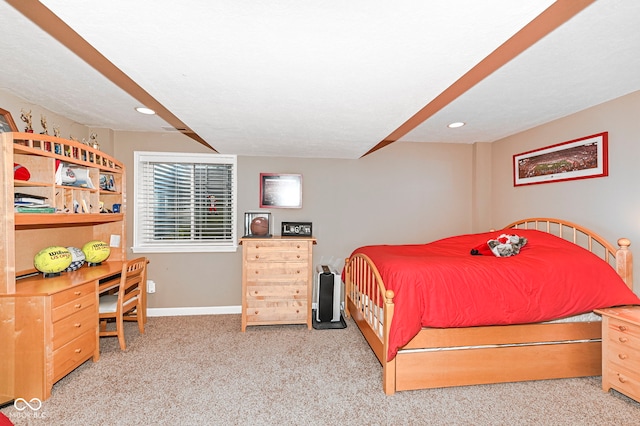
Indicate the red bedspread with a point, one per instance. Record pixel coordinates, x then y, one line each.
441 284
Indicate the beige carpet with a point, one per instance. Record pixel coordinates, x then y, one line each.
202 370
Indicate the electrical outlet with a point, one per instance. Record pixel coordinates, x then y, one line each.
151 286
114 241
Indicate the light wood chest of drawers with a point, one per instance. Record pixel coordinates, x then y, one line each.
621 350
277 280
54 332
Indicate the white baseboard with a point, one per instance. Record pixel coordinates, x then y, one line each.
204 310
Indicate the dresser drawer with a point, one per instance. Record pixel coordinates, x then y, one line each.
624 348
280 292
277 256
72 294
624 380
74 325
280 244
271 253
285 311
73 306
256 271
624 332
73 354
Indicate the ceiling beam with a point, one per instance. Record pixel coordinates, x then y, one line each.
553 17
58 29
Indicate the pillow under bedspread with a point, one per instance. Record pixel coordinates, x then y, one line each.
440 284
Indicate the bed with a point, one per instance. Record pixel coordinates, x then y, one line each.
454 347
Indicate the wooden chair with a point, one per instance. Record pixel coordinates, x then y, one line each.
126 304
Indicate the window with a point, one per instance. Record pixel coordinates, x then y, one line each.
184 202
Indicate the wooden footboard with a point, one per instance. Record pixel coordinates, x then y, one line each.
371 307
478 355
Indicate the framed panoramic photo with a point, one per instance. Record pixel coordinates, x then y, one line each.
6 122
576 159
280 190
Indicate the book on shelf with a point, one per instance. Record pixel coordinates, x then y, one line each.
29 204
19 197
34 209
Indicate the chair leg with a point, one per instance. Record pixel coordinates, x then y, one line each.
140 323
120 330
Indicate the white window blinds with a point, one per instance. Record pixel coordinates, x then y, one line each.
184 202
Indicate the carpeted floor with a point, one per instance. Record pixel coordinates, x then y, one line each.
201 370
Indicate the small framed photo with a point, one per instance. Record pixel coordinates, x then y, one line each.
576 159
6 122
296 229
280 190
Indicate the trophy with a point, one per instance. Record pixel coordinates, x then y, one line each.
93 141
43 122
26 117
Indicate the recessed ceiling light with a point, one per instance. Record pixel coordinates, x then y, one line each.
456 124
145 110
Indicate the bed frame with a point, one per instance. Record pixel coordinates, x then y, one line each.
479 355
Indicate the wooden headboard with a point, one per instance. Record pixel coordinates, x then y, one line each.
619 258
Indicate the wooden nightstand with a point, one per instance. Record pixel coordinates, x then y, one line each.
277 280
621 350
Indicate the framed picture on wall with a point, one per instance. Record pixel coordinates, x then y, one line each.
280 190
6 122
576 159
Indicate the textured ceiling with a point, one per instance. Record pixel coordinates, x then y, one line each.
324 78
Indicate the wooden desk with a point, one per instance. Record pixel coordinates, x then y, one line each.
48 327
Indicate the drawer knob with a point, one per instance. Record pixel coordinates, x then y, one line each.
257 256
622 327
298 256
77 325
298 246
255 292
257 272
621 378
256 312
78 305
297 272
623 356
77 293
297 291
78 350
623 339
297 311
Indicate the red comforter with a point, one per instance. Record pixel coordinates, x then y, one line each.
441 284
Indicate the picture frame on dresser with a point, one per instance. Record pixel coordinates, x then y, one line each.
6 122
296 229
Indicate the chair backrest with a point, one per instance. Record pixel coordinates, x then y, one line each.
132 281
